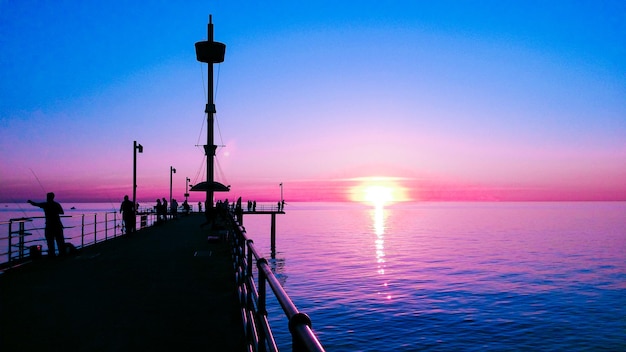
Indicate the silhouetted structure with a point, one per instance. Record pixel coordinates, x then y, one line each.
210 52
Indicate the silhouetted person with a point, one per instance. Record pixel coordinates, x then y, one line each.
239 211
199 207
159 211
186 207
128 215
174 209
164 209
54 227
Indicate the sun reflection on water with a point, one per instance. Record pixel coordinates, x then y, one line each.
378 218
379 192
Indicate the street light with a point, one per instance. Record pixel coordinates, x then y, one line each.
187 179
172 171
136 147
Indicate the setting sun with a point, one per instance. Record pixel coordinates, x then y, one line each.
378 191
378 194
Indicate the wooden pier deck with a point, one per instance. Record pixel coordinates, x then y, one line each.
165 288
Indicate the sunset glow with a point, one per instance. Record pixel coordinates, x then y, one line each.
378 191
302 101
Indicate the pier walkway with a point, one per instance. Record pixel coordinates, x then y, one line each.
164 288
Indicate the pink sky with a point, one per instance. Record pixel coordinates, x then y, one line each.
451 101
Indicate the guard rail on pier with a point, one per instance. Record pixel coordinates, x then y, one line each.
25 239
253 299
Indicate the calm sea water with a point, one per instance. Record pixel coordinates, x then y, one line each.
454 276
446 276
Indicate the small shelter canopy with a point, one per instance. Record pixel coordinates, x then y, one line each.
215 187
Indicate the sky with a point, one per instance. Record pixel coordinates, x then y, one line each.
402 100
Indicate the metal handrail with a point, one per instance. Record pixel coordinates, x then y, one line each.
80 230
252 299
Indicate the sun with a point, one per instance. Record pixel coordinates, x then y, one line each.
378 194
378 191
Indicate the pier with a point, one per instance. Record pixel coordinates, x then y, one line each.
264 210
175 285
164 288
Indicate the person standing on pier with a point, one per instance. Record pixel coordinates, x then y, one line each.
186 207
54 227
159 211
128 215
164 205
174 209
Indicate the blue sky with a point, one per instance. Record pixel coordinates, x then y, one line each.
456 99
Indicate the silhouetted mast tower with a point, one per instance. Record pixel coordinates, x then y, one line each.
210 52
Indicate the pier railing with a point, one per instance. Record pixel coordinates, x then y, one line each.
253 300
24 238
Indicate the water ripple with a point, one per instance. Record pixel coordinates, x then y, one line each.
463 276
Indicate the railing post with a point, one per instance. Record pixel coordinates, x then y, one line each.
10 244
262 289
249 266
262 306
82 230
22 233
106 226
296 342
273 235
95 228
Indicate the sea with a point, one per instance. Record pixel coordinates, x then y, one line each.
448 276
547 276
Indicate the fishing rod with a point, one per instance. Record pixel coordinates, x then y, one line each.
44 191
38 181
26 216
115 210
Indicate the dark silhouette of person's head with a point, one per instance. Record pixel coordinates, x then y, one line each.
50 196
126 197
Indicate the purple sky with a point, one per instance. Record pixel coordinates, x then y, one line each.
516 100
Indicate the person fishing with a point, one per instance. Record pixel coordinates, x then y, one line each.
127 208
54 227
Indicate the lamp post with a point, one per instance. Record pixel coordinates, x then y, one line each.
281 204
187 179
136 147
172 171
